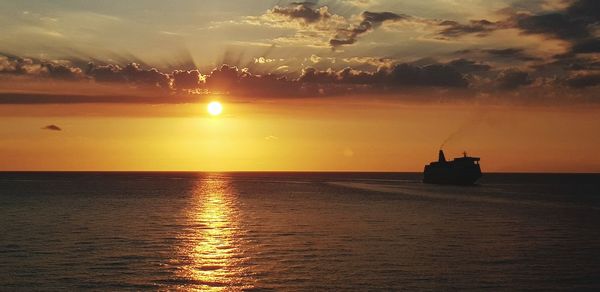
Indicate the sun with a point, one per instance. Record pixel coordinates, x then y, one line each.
214 108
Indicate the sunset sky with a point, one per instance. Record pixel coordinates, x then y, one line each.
355 85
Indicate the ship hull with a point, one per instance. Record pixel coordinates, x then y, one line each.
461 181
451 176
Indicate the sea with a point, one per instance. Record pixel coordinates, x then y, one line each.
262 231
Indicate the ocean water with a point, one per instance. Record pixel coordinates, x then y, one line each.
297 232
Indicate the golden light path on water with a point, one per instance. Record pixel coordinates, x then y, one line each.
212 247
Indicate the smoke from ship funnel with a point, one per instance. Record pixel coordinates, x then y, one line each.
469 124
459 131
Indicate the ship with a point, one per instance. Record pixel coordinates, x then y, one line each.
460 171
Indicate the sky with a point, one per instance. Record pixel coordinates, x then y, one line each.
354 85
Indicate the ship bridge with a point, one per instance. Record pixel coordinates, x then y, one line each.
467 158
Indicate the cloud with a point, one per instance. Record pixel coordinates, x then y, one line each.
115 96
376 18
586 46
241 82
501 56
583 80
512 79
132 73
401 75
430 75
575 22
311 22
232 80
514 53
312 75
309 18
341 42
555 24
186 79
578 24
61 71
223 78
367 63
365 75
151 77
20 66
302 24
478 27
27 66
573 63
52 128
106 73
370 21
303 11
468 66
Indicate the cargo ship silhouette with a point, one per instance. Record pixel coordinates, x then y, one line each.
460 171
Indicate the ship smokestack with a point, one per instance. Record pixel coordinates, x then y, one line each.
442 158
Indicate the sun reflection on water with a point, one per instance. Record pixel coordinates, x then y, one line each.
212 248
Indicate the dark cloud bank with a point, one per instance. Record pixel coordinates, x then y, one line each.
467 76
235 81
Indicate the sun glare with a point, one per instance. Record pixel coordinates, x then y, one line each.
215 108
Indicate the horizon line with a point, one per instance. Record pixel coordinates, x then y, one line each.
277 171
